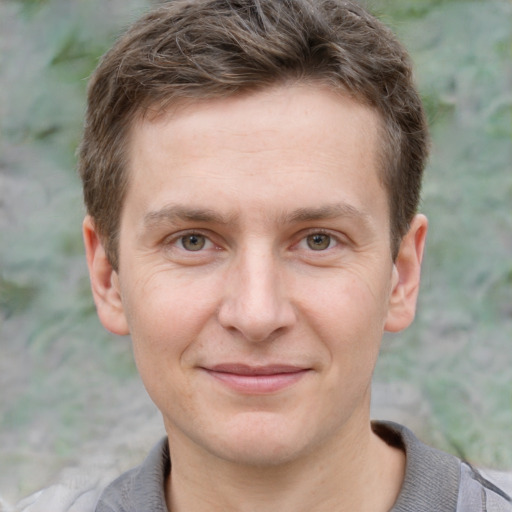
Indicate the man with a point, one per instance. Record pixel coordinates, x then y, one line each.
252 172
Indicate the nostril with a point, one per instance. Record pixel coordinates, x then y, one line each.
256 324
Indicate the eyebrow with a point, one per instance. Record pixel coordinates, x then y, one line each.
183 213
174 213
330 211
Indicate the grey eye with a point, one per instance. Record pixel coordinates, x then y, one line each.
318 241
193 242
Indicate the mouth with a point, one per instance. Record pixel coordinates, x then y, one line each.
258 380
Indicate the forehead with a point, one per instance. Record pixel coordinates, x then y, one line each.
256 149
302 104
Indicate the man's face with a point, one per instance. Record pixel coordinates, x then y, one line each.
255 270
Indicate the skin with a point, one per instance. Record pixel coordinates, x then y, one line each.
256 281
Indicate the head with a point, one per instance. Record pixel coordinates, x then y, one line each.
187 51
251 173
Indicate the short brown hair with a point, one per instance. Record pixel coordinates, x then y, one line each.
216 48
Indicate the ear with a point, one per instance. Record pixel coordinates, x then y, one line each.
406 276
104 282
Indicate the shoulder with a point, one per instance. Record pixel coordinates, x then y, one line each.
78 495
141 488
435 480
138 490
478 493
117 495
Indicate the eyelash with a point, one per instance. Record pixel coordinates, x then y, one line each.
176 240
334 239
179 237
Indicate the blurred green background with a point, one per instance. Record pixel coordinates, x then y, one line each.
65 383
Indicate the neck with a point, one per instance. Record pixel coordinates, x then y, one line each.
357 472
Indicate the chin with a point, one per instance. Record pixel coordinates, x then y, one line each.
261 441
260 453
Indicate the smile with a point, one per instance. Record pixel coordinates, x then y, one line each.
257 380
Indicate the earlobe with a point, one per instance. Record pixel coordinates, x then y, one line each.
406 276
104 282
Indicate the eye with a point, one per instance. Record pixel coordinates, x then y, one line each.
319 241
193 242
191 247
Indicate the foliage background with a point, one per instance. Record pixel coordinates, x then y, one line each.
69 390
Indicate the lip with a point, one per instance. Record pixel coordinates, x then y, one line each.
257 380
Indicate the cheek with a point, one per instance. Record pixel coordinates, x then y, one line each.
163 332
348 316
166 315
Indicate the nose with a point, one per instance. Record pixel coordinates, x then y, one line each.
255 304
